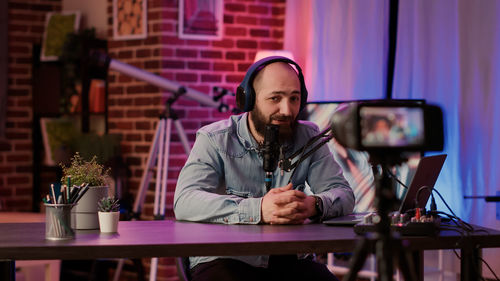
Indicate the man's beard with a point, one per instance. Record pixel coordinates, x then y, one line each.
286 132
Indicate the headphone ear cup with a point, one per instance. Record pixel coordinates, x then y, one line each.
241 98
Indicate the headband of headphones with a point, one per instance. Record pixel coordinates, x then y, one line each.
245 94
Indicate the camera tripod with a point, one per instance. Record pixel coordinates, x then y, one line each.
388 247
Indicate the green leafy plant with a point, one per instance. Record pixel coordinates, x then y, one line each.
82 171
108 204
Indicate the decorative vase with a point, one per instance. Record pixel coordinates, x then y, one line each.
84 214
108 221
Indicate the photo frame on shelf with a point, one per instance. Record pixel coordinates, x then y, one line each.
57 27
129 19
201 20
58 136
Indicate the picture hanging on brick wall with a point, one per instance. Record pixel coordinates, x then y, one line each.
201 19
130 19
57 27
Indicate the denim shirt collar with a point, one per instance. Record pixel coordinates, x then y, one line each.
244 135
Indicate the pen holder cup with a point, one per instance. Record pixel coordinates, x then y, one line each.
58 222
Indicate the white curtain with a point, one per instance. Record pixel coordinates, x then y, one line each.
341 46
448 52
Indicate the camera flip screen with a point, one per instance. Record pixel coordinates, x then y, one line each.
391 126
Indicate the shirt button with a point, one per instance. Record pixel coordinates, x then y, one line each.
225 220
251 219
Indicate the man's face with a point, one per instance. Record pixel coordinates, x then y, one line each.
277 101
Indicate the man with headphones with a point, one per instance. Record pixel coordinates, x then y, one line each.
223 179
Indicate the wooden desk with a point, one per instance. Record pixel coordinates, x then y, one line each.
140 239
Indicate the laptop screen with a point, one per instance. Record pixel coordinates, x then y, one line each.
357 169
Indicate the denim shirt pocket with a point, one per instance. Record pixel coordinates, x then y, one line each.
239 193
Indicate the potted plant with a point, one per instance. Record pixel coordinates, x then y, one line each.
109 214
79 172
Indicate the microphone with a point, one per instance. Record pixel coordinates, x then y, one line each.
270 153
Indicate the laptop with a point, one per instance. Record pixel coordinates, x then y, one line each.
427 172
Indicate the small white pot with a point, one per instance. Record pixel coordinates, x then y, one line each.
108 221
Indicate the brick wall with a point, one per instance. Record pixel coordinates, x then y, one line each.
25 27
134 106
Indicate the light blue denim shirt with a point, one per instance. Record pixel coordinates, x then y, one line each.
223 179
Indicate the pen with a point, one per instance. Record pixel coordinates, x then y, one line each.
82 192
53 193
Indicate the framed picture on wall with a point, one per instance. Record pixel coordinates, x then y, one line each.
201 19
57 27
130 19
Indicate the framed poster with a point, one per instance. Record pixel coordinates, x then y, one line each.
130 19
57 27
201 19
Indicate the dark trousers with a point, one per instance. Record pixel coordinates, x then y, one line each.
287 268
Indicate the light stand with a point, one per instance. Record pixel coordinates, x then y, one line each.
160 148
387 246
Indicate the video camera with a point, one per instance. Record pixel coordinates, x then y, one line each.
382 126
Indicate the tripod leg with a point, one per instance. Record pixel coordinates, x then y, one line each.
182 136
148 170
166 155
384 255
160 166
406 264
358 260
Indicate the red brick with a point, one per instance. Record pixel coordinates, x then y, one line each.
134 113
17 27
152 64
278 11
115 90
16 113
124 79
197 114
133 137
186 77
211 54
115 113
19 158
272 22
246 20
223 66
125 55
199 65
143 53
226 43
257 9
235 31
17 136
246 44
125 101
174 64
18 92
5 146
122 125
42 7
186 53
259 32
211 78
142 148
234 78
143 125
271 45
135 89
228 19
278 34
243 66
24 169
234 7
143 101
151 41
235 55
149 89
